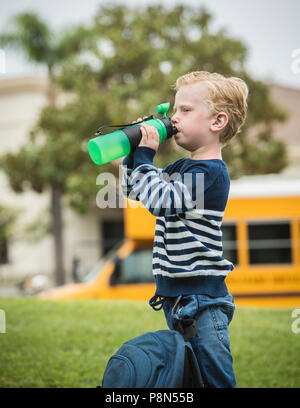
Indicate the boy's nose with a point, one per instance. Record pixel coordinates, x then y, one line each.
174 119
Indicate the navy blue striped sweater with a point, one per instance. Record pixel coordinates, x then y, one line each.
189 209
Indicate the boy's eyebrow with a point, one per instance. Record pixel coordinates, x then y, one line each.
183 106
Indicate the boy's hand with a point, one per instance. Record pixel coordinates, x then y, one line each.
150 135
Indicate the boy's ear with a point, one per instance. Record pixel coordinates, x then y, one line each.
219 121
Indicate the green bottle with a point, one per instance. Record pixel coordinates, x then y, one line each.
112 146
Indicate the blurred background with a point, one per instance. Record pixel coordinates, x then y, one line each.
67 67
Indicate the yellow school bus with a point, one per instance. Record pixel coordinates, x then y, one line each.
261 236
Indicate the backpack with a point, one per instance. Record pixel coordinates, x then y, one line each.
161 359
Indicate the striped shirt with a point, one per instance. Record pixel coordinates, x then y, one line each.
188 198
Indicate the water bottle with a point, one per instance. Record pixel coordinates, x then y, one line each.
105 148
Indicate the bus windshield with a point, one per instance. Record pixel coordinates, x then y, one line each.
110 255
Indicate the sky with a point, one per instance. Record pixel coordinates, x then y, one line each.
270 29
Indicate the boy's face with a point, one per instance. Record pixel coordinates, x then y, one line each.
192 117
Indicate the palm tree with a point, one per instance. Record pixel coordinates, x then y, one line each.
40 45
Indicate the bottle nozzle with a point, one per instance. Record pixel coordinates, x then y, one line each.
174 130
163 108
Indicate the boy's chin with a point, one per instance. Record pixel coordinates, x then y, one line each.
180 144
178 138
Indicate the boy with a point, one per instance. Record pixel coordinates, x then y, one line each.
188 266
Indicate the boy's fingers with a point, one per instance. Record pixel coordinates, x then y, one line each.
150 129
144 134
138 120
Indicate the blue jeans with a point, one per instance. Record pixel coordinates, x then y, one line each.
211 343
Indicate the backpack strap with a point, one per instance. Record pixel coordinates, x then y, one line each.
185 326
192 377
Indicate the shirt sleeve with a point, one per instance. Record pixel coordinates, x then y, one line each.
132 161
160 193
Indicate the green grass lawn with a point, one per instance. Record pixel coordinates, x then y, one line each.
68 343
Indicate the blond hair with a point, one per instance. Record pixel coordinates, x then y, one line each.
227 95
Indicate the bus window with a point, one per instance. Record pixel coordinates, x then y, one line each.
229 242
269 242
136 268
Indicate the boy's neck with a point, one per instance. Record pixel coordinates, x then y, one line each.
207 152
